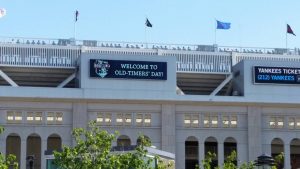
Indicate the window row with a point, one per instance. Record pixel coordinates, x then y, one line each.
16 117
227 121
124 119
278 122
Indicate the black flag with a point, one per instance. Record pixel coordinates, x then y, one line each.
148 24
76 15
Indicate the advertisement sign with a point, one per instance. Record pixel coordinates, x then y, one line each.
276 75
125 69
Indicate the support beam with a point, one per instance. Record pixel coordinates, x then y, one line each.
179 91
221 85
66 81
9 80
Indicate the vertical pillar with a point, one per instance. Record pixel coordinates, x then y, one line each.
220 154
242 153
254 133
287 156
168 128
180 155
80 116
201 152
43 148
23 153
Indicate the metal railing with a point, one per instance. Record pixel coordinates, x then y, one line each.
190 58
143 45
42 56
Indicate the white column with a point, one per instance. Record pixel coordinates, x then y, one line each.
220 154
242 153
287 154
43 148
23 154
180 155
254 132
168 126
80 117
201 153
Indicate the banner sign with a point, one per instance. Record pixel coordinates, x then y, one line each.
125 69
276 75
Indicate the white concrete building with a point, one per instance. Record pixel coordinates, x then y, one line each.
188 99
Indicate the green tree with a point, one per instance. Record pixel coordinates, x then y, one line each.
228 164
93 151
9 161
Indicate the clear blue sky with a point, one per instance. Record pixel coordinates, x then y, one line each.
255 23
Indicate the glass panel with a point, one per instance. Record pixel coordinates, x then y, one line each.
119 119
108 119
214 121
297 123
147 121
187 120
225 121
100 118
206 121
272 122
195 120
38 117
59 117
233 122
50 117
128 119
18 117
10 116
29 116
139 120
280 122
291 123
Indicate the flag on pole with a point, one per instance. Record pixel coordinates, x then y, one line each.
148 23
76 15
289 30
2 12
223 25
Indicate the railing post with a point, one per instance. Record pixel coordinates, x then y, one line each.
233 58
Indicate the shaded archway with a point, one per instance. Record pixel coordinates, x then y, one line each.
53 143
230 146
295 153
147 139
277 147
34 149
191 152
211 145
123 141
13 146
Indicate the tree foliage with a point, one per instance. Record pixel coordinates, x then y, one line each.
232 158
9 161
93 151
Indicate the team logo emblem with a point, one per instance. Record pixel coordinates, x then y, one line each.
101 68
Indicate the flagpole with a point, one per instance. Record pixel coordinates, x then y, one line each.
146 36
286 43
74 35
146 33
215 31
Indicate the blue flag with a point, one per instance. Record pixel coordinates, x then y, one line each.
223 25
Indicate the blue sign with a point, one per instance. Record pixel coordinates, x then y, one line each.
276 75
101 68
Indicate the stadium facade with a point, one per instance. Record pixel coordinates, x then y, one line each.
187 99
